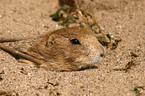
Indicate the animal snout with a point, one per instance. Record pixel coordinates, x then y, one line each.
102 51
102 54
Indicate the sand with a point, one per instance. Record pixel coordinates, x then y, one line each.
31 18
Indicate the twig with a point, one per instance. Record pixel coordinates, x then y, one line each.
133 54
106 41
18 53
98 35
13 39
94 20
128 66
82 16
85 21
23 71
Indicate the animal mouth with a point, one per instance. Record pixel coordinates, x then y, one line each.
97 61
94 60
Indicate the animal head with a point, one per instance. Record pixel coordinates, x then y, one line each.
68 49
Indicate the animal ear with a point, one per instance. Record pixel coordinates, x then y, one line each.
50 41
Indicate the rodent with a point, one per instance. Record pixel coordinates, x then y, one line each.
68 49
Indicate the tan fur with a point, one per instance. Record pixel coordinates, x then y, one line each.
59 54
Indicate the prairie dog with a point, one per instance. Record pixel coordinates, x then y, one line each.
68 49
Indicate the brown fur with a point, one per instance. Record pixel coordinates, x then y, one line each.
59 54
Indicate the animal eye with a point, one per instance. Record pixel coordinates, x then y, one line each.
75 42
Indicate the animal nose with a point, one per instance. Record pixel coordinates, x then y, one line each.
102 54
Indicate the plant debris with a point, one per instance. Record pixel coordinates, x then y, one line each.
52 90
79 16
134 54
16 53
8 93
23 71
12 39
58 16
115 44
128 66
138 89
1 78
3 72
56 84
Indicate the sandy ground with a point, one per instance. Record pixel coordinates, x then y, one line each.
30 18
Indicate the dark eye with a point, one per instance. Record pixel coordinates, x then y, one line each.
75 42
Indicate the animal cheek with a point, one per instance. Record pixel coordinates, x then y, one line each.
96 51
